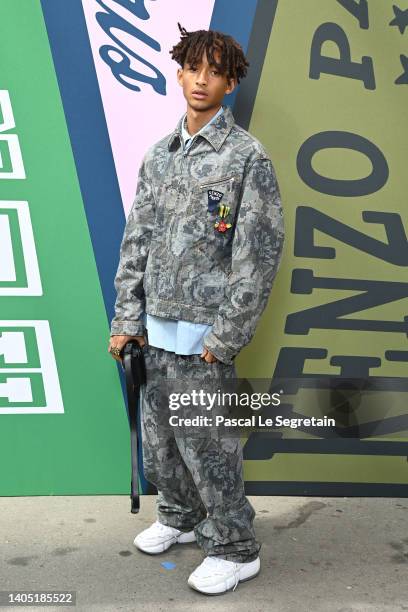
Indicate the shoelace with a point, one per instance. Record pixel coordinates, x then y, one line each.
216 560
160 526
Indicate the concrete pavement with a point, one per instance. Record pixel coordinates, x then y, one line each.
320 554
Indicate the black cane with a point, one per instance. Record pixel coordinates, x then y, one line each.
135 373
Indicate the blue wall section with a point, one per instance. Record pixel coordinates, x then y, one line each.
81 99
236 23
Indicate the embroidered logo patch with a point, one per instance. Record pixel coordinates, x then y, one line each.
214 198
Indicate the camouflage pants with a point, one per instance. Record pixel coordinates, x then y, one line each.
199 480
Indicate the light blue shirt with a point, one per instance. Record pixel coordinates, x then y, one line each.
180 337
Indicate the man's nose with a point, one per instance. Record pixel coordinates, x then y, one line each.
201 77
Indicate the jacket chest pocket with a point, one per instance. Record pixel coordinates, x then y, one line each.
214 204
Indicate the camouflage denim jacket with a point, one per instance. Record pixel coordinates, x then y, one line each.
203 240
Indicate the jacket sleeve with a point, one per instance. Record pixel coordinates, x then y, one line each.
134 250
256 253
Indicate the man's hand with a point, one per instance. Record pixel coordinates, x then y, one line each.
120 341
208 356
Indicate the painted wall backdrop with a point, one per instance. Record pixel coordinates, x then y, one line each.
85 87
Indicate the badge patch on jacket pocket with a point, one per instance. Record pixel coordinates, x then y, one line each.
214 198
223 221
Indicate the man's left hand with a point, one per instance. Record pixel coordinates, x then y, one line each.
208 356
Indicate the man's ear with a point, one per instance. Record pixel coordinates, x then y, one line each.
231 84
180 76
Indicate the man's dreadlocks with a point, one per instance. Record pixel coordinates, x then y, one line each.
191 47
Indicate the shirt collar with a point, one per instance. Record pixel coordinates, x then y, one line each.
215 132
184 133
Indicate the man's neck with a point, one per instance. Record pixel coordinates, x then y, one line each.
197 119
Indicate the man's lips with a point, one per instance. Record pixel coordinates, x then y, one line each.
198 94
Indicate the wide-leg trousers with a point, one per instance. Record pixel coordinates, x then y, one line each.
199 478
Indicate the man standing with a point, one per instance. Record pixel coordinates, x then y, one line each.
201 248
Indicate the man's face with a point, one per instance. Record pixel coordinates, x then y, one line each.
203 86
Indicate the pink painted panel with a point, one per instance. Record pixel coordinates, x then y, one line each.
137 119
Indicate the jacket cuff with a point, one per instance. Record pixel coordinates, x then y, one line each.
127 328
221 351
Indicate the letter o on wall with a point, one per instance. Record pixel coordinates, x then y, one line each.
347 188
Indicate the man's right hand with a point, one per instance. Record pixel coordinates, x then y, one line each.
120 341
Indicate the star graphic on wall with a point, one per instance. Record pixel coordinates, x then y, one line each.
403 78
400 19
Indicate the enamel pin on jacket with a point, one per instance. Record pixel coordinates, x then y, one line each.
204 238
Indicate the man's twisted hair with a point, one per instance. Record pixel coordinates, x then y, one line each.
191 47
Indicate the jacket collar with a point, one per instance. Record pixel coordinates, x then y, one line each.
215 133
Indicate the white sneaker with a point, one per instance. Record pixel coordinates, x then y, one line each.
216 575
158 537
